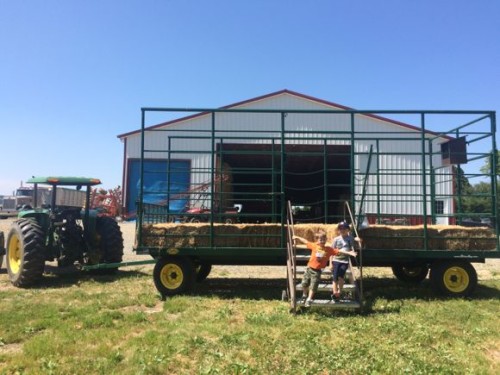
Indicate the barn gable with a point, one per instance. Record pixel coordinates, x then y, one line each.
312 131
284 99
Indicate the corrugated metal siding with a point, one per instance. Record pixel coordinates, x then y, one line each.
397 189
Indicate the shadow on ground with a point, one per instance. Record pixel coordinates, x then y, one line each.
244 288
396 293
55 277
375 289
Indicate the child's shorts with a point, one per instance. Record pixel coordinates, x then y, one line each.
312 278
339 270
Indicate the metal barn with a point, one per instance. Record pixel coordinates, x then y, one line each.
393 166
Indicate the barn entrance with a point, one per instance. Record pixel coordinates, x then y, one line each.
315 178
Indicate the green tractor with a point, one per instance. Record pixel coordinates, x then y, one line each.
57 228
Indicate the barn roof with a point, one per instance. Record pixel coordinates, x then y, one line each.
277 93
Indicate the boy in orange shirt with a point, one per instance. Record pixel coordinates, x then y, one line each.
320 254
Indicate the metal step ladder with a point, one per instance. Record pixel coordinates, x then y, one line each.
296 265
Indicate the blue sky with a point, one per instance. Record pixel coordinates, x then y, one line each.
74 74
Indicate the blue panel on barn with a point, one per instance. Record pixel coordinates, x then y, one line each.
158 190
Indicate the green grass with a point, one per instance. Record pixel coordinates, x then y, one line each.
118 325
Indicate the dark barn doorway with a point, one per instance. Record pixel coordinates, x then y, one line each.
317 180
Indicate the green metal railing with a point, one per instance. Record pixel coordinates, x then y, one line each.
391 171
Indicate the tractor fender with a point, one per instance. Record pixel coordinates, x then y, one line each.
40 215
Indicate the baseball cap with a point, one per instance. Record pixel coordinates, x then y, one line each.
343 225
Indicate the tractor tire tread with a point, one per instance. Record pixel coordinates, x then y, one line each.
33 263
111 245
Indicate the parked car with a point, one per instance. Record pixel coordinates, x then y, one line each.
468 222
487 221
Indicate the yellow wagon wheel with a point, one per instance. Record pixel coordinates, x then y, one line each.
174 275
454 278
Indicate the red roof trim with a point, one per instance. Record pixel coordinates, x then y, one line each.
281 92
205 113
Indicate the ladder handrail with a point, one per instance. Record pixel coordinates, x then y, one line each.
291 260
360 265
365 183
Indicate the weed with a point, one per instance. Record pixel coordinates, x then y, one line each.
124 328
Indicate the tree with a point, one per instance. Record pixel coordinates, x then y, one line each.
486 168
478 199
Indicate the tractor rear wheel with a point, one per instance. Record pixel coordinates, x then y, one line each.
174 275
110 242
25 258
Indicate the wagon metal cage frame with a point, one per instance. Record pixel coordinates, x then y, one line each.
271 164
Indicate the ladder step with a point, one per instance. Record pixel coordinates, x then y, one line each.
328 287
300 269
302 258
326 303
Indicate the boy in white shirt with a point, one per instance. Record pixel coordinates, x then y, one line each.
340 262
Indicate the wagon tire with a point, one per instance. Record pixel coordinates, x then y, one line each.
454 278
413 274
284 295
25 257
202 271
174 275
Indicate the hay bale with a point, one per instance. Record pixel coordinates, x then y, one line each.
175 235
466 238
392 237
440 237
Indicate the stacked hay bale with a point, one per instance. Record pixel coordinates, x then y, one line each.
440 237
172 235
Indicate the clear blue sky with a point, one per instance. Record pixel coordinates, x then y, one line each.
74 74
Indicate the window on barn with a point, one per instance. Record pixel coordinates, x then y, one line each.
439 207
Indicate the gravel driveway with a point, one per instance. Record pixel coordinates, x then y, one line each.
489 270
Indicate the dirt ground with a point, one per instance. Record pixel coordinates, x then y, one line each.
487 271
128 231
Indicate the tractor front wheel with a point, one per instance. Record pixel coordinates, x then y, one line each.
174 275
25 258
454 278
